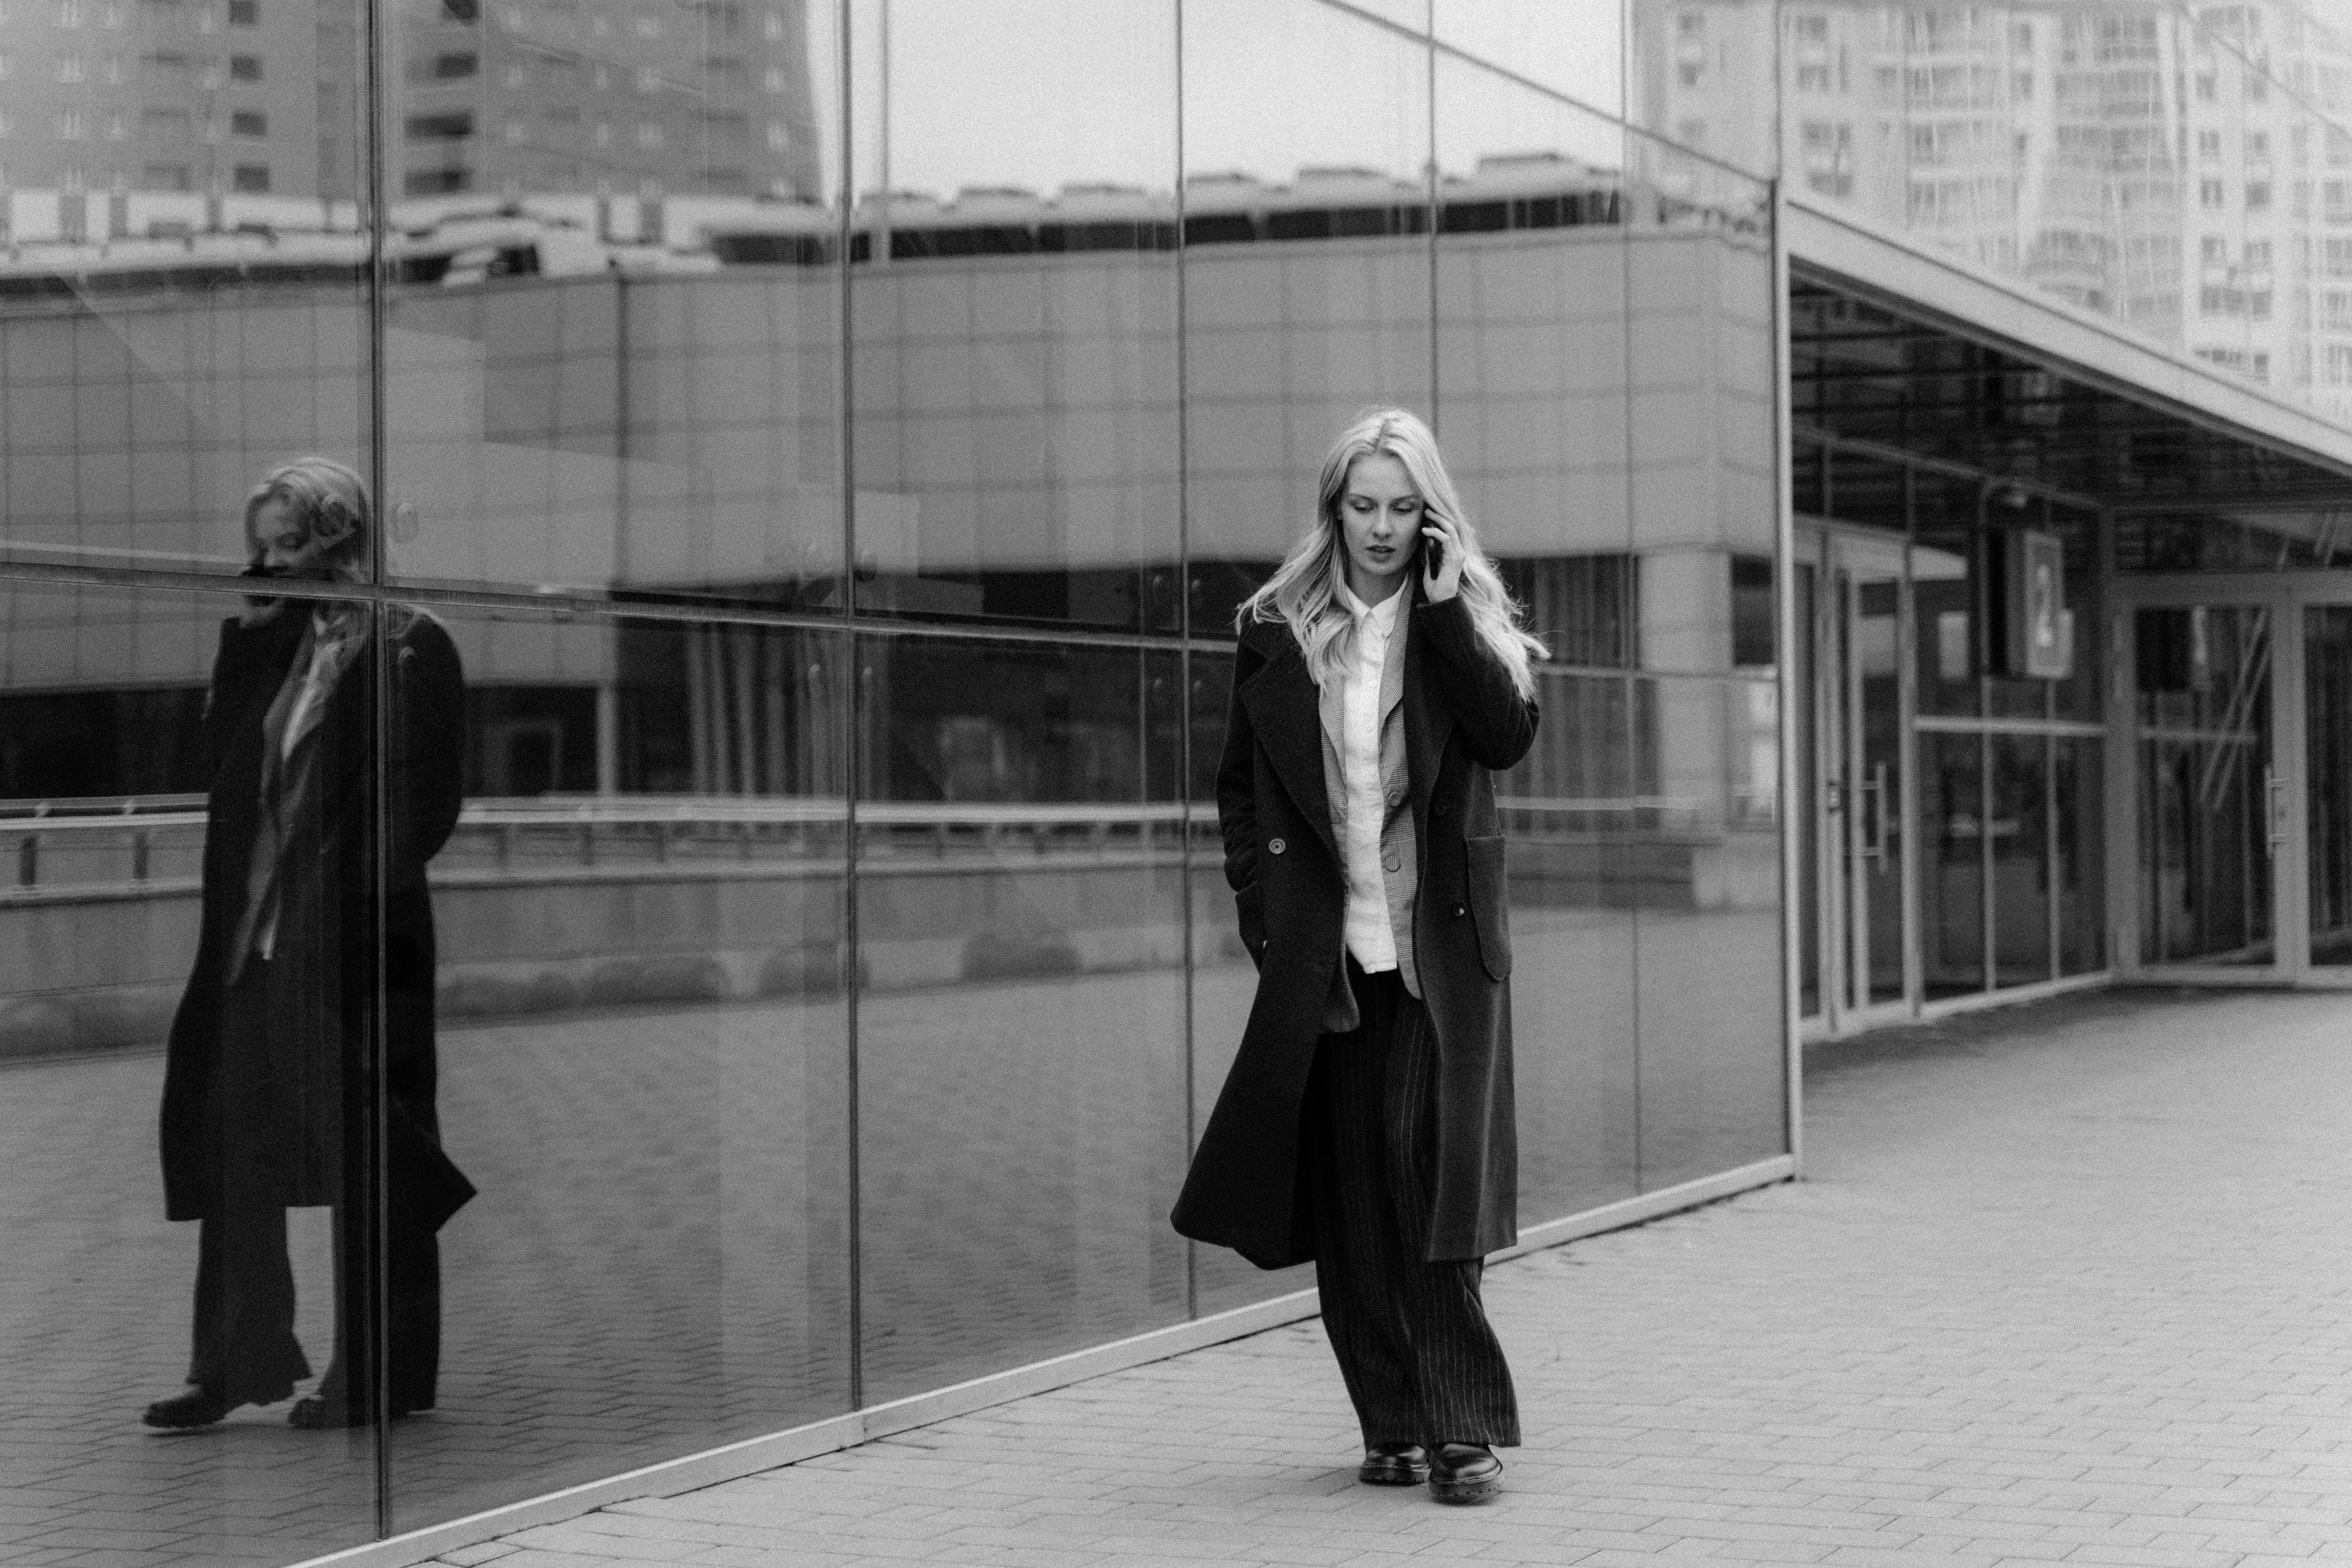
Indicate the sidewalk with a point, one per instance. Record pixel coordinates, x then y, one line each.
2073 1283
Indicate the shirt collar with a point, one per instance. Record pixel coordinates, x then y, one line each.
1382 614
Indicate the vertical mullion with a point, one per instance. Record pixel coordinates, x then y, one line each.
2050 848
1184 673
374 108
853 700
1988 935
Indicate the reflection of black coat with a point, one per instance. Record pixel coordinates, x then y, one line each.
1462 718
310 1122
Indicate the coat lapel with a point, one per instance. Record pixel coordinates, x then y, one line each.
1284 710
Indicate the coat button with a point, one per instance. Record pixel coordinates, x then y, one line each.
1440 808
1393 862
1459 911
1276 846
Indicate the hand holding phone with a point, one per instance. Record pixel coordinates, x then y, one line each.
1441 558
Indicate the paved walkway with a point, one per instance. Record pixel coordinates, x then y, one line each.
2073 1284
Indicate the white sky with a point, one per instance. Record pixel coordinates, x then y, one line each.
1043 93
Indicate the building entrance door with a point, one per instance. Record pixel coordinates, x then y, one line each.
1856 903
2242 793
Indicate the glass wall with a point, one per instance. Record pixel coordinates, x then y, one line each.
727 846
2180 171
2008 776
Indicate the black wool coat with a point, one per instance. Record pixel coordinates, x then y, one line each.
293 1107
1463 719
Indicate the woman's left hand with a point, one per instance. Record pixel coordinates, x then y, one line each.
1441 558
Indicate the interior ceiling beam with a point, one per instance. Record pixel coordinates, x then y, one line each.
2090 491
2260 508
1945 467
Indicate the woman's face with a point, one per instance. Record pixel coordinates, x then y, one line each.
282 541
1379 521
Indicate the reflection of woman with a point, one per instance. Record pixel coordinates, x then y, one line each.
1367 1122
266 1091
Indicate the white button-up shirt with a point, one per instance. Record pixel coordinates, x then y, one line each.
1369 935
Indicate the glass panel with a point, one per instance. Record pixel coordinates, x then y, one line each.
643 1050
1021 1013
2327 775
1574 47
2080 694
1944 563
1874 795
613 323
182 305
1951 864
1703 496
1224 981
1568 810
1013 309
1306 281
1532 367
1692 72
2080 802
2009 516
2020 825
130 825
1706 845
2205 798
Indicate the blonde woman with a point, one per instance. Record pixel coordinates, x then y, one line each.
1381 677
322 813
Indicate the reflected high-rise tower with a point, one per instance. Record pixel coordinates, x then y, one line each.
603 97
105 98
132 118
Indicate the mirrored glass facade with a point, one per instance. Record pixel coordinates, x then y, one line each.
720 861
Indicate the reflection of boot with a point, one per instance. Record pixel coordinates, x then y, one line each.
199 1406
332 1406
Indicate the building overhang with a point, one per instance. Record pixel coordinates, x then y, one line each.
1898 350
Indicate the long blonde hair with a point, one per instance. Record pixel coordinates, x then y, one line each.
1305 589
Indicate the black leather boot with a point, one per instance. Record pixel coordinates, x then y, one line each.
1394 1465
1464 1472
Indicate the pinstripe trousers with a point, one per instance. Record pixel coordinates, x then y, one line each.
1420 1363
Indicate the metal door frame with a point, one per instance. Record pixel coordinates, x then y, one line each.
1834 550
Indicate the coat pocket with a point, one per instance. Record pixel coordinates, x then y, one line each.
1249 903
1490 904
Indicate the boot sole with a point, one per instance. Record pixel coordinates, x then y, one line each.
1469 1492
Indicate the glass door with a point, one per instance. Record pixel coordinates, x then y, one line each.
2212 803
1858 939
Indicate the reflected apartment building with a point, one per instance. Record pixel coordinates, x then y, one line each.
837 490
2181 169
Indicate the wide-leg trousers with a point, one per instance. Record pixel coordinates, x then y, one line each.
1420 1361
244 1342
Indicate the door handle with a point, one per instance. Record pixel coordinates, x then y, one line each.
1878 786
1873 790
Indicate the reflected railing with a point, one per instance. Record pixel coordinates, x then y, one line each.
154 843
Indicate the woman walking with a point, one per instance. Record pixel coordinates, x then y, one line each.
324 806
1367 1122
